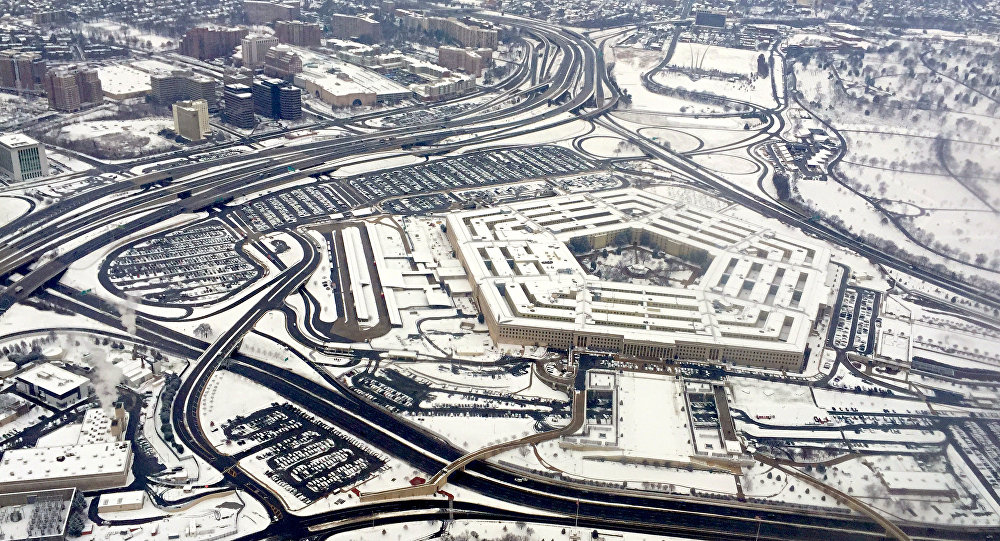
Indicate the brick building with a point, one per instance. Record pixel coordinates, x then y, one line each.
208 42
298 33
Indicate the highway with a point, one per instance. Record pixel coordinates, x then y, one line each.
579 85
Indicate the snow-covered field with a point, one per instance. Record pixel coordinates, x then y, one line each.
12 208
117 138
124 32
915 139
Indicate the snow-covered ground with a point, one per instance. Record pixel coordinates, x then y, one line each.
117 138
12 208
487 531
123 32
228 515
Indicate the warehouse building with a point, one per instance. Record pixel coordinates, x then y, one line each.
94 466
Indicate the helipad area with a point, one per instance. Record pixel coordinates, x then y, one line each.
755 303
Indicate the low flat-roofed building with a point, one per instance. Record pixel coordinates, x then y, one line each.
350 86
754 303
54 386
36 515
131 500
121 82
100 427
12 407
94 466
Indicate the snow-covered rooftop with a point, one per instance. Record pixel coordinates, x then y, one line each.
53 379
756 299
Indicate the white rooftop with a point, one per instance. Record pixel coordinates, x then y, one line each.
45 463
136 497
53 379
760 289
15 140
121 79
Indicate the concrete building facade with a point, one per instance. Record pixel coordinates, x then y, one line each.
191 120
466 31
70 88
354 27
170 86
22 158
255 47
264 12
469 60
21 70
282 62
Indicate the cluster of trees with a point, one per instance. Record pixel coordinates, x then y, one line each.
580 245
77 515
170 387
782 185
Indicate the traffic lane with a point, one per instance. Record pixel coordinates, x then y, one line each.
505 486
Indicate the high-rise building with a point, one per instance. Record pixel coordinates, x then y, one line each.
387 9
70 88
241 76
202 87
263 12
208 42
469 60
469 32
167 86
238 106
21 70
290 102
22 158
254 49
276 98
282 62
55 16
298 33
191 120
353 27
176 85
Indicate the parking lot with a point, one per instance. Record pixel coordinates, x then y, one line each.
978 442
856 321
304 455
195 265
415 189
481 168
290 207
402 391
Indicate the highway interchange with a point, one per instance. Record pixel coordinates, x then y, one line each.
40 246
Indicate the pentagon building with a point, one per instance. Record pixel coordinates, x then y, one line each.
754 304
